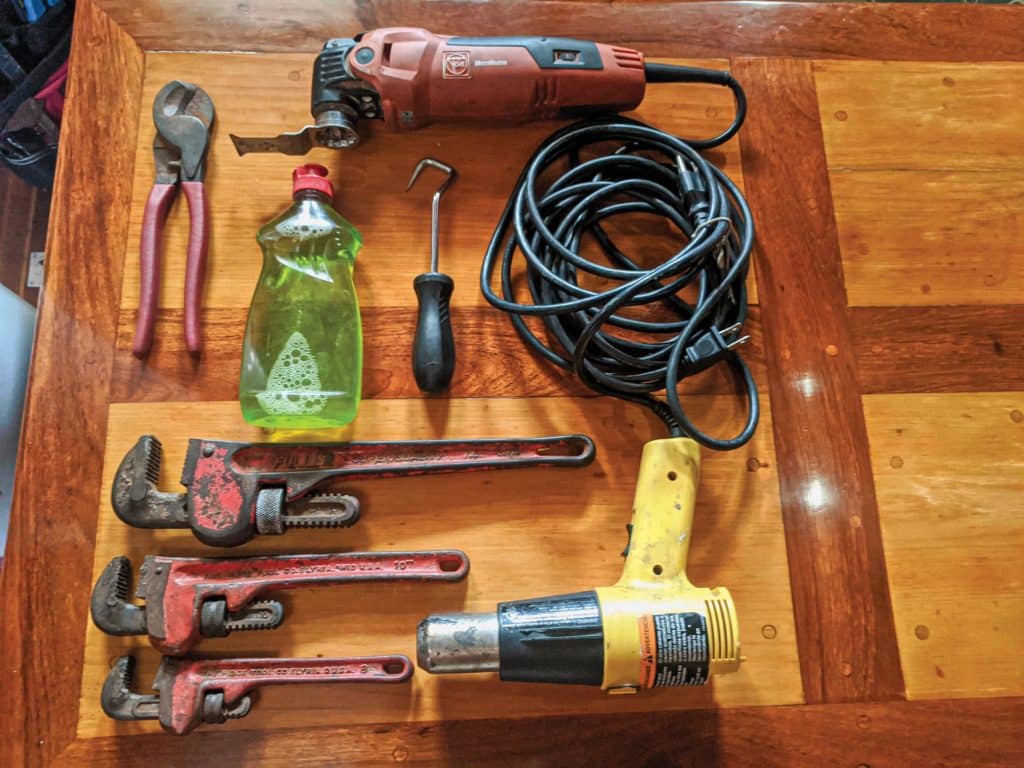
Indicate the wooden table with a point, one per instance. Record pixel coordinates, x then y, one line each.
871 533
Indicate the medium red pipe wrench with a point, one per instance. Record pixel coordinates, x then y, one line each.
189 598
183 114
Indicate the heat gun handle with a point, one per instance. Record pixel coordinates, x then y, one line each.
666 490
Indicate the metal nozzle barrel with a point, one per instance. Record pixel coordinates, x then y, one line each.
458 642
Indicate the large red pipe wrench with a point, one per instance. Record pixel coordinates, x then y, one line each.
238 490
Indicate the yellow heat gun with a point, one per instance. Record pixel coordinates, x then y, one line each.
651 629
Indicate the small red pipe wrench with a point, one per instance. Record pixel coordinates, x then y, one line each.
183 114
191 692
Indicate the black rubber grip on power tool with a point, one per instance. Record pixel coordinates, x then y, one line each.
433 349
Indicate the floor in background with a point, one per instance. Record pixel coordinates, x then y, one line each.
24 212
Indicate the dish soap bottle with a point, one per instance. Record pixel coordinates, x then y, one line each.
302 362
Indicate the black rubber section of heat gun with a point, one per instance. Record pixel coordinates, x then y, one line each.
556 639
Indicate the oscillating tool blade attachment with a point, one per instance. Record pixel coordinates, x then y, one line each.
111 608
135 496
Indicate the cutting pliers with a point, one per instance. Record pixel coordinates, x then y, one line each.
183 115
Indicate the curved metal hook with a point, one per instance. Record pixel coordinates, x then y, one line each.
436 203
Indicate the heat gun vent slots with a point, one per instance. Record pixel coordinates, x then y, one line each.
721 640
624 57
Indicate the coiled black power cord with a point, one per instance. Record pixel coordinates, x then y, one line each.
593 331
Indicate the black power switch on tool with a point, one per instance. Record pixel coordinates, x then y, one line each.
433 348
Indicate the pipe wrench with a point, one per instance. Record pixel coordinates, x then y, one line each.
191 692
238 490
189 598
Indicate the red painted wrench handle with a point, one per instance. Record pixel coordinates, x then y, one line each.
194 678
195 266
241 580
242 675
157 205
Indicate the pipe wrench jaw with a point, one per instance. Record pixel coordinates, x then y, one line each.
177 611
135 497
110 607
119 701
180 704
226 504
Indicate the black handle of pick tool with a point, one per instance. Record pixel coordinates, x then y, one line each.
433 349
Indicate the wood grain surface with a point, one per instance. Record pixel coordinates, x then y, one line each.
494 359
53 519
708 29
566 528
927 179
939 349
369 181
840 595
949 470
865 157
891 735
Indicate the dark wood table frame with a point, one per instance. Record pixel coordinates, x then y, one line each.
856 712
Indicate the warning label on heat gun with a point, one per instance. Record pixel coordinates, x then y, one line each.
673 650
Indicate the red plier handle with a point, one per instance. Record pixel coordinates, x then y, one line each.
183 114
195 265
157 206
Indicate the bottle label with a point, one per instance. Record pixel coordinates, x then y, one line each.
673 650
293 387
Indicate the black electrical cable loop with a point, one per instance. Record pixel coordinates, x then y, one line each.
654 173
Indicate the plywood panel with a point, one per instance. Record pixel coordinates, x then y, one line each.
927 180
491 359
264 95
913 237
949 474
563 533
881 115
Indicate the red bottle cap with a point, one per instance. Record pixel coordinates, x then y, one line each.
312 177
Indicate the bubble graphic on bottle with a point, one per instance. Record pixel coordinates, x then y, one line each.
304 228
294 383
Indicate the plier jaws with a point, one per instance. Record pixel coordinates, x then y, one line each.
183 115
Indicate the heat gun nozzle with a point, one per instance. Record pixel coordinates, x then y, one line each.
458 642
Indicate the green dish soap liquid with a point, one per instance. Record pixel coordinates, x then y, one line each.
302 362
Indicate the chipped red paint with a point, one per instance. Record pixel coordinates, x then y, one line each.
216 497
224 478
